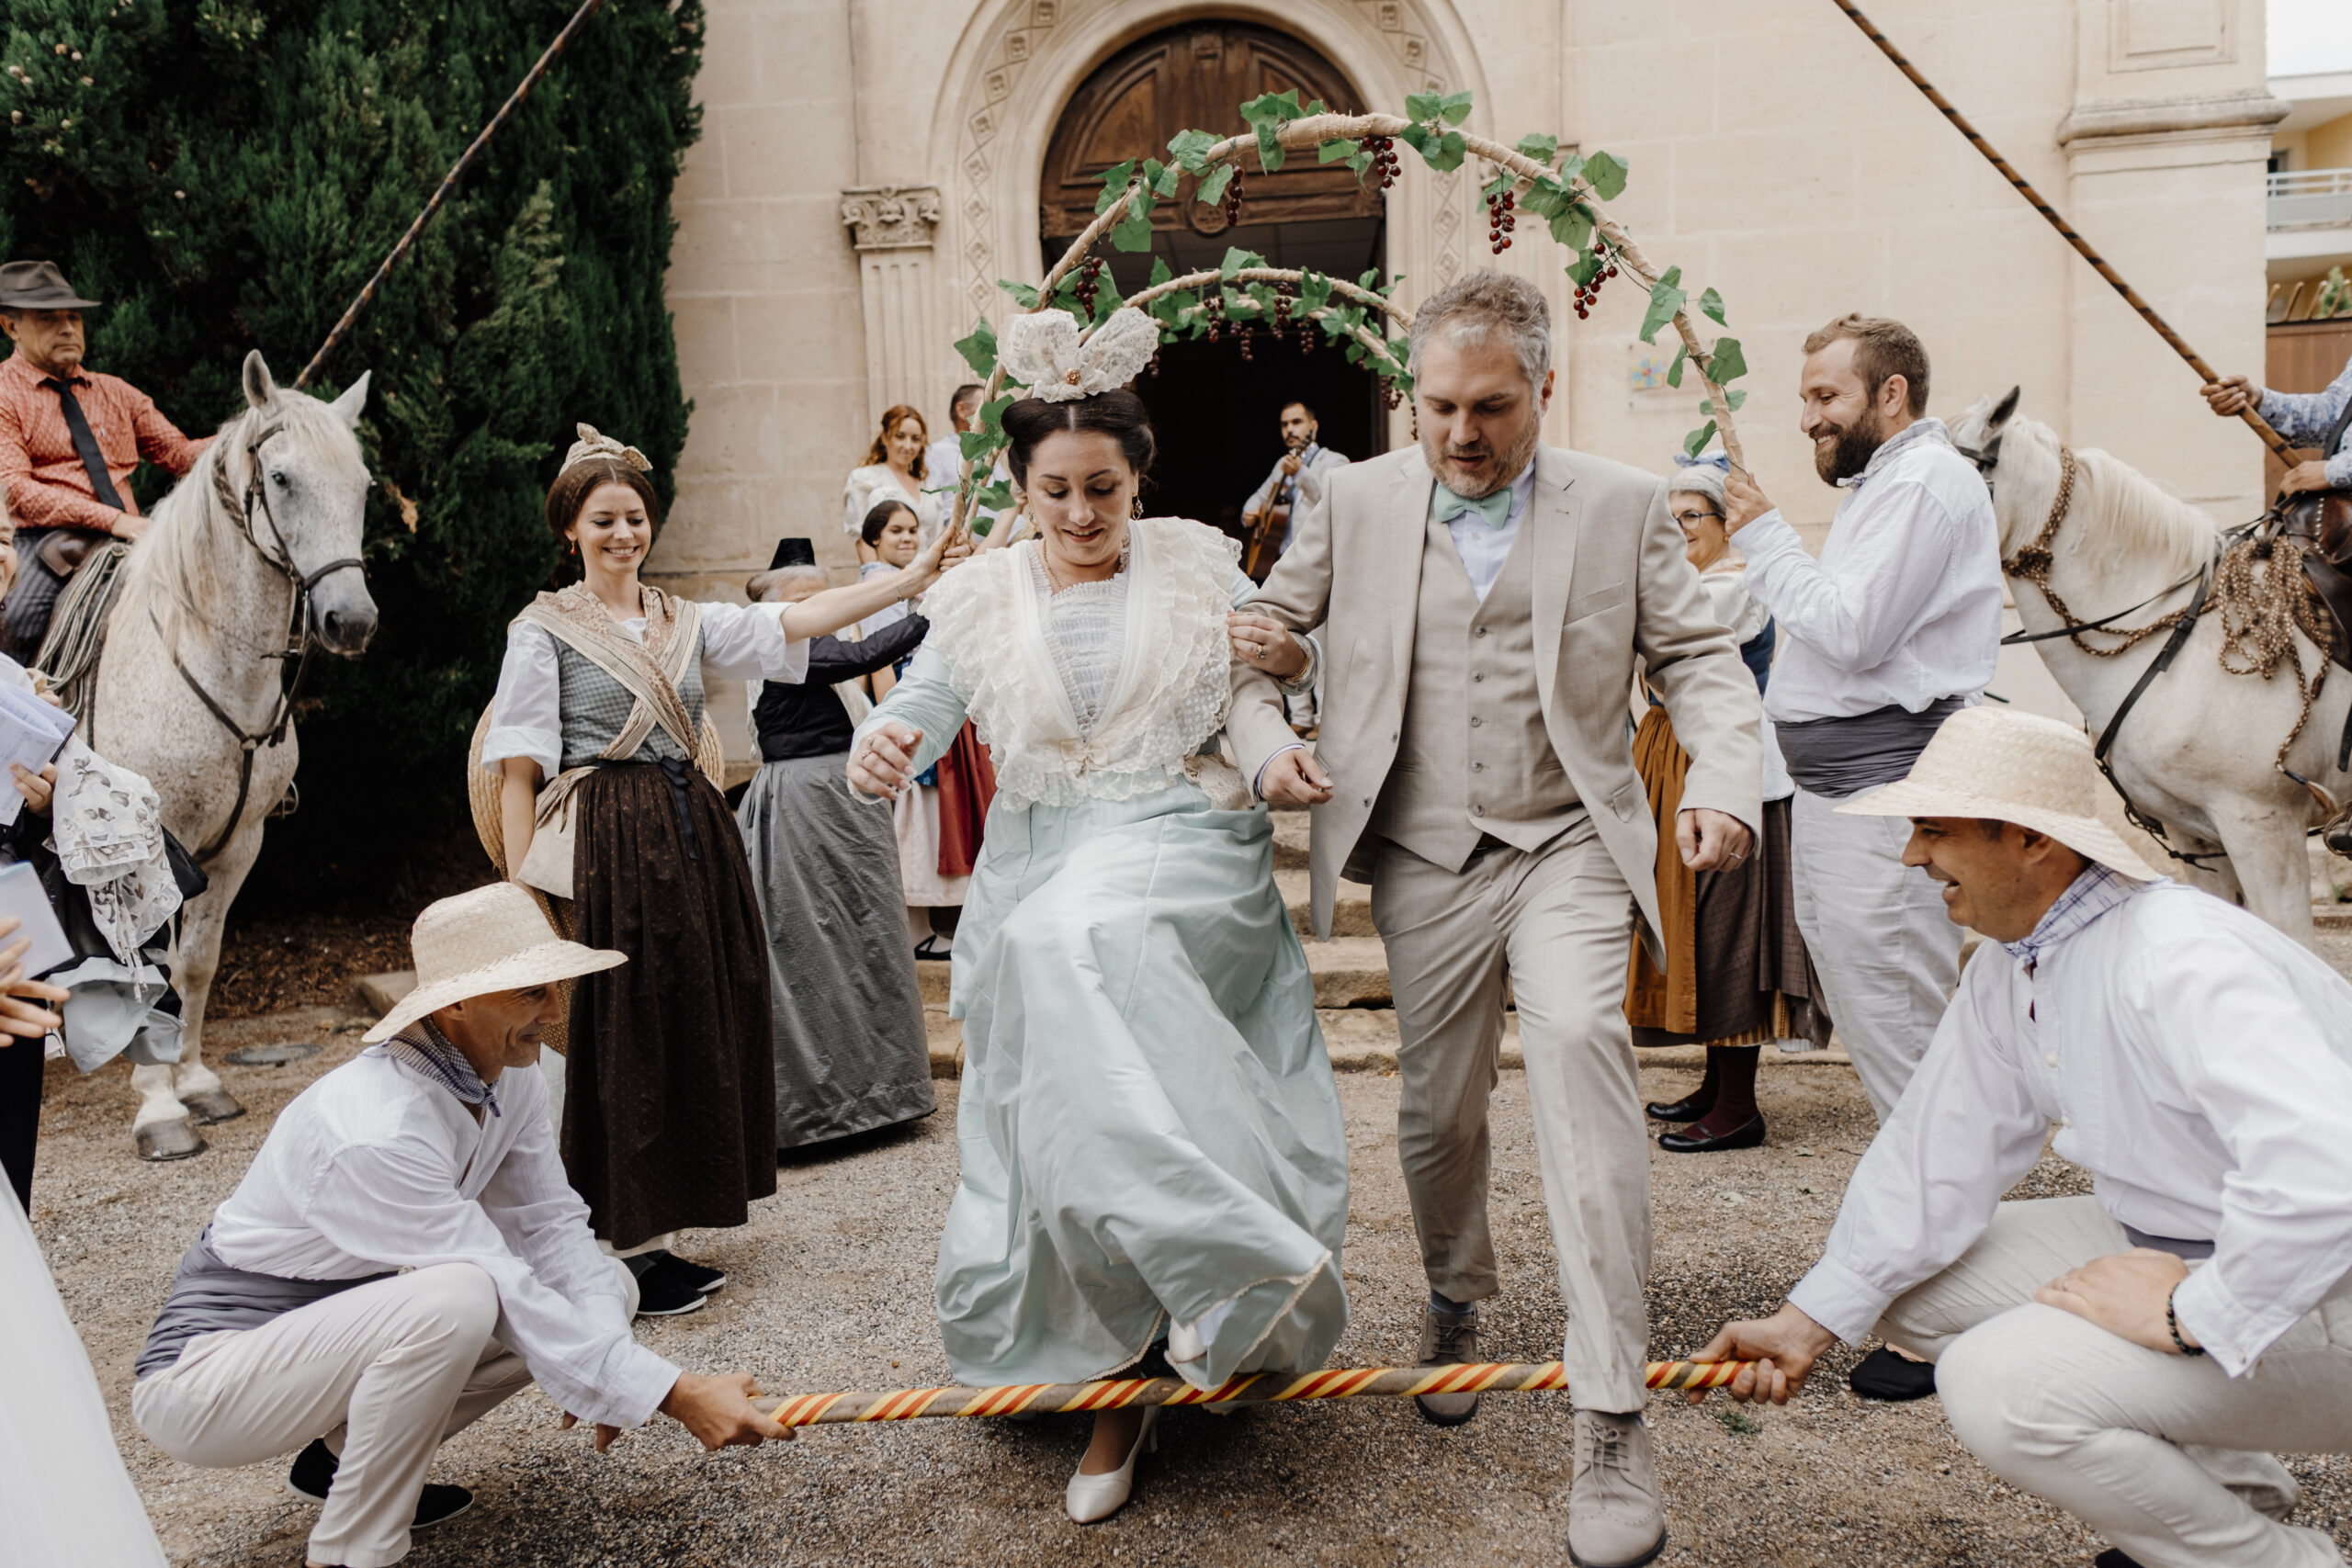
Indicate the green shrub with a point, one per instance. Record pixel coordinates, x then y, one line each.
226 173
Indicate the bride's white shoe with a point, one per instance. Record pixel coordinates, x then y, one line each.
1092 1497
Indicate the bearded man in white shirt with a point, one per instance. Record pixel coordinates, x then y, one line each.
290 1321
1893 629
2133 1356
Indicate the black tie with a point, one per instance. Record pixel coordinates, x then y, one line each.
85 445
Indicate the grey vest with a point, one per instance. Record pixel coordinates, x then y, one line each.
1473 757
596 709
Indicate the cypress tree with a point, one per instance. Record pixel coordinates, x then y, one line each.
226 173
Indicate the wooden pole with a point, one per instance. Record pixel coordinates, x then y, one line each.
449 183
2057 219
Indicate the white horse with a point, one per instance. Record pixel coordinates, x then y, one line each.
268 519
2195 752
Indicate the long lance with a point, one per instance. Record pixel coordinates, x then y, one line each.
2270 438
1255 1388
449 183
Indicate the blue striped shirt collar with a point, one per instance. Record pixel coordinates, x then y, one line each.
423 1050
2088 896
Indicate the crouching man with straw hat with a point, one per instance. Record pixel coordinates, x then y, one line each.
2132 1355
404 1254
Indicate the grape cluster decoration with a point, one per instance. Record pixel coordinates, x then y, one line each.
1563 190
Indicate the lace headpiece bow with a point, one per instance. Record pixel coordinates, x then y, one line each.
593 445
1043 352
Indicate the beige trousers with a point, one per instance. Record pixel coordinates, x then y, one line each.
384 1372
2166 1456
1556 923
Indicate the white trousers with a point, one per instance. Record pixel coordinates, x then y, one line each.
1887 952
1557 924
2166 1456
384 1372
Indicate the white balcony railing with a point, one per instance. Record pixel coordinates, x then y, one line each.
2310 198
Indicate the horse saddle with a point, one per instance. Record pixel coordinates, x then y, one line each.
2324 520
63 550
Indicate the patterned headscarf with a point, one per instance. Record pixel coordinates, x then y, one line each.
593 445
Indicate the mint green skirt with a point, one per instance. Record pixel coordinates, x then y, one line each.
1147 1125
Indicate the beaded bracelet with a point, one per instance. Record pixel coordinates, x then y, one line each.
2171 1323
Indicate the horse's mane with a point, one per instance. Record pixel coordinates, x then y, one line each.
2139 518
175 572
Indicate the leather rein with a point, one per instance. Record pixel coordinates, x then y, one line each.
301 639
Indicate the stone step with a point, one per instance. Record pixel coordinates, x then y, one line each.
1350 907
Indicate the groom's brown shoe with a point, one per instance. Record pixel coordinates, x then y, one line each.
1447 1340
1615 1517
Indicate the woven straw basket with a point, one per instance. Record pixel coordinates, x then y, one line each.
481 797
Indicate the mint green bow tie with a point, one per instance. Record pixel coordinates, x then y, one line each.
1494 510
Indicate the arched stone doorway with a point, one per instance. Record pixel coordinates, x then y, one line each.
1216 410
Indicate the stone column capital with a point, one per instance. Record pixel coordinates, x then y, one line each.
891 218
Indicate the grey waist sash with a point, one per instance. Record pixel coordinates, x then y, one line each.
2187 1251
207 1296
1839 756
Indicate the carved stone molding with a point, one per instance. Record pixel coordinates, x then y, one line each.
891 218
2244 112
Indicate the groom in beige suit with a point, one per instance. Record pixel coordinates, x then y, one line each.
1484 600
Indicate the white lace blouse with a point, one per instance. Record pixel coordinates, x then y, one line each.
1085 628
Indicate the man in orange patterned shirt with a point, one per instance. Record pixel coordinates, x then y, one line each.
69 440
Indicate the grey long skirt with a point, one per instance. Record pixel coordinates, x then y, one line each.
850 1053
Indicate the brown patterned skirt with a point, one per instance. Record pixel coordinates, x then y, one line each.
669 1121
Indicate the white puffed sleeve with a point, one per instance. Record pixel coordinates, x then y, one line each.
527 713
745 642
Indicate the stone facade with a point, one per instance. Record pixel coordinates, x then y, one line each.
868 171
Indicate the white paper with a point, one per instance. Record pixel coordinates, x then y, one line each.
31 732
22 896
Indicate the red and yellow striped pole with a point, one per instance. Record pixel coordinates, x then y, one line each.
1257 1388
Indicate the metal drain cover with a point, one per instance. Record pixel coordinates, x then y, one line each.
273 1055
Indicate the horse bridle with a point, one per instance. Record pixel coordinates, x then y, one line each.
302 640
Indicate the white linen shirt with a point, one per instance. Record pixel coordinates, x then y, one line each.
2196 1062
1306 486
374 1167
739 642
1483 549
1904 607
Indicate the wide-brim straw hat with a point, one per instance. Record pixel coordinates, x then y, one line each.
2009 767
492 939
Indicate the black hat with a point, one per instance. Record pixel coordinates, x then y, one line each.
38 286
793 552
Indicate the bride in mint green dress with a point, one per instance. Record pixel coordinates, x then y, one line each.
1151 1139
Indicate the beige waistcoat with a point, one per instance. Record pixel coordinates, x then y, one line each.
1473 757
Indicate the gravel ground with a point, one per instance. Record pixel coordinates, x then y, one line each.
832 1289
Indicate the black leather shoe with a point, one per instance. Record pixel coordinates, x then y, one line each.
1690 1108
663 1290
1749 1134
2115 1557
1883 1374
700 1276
313 1476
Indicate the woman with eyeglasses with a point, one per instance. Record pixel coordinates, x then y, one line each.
1737 973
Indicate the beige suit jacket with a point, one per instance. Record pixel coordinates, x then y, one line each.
1610 585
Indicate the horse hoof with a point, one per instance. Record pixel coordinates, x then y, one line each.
218 1105
175 1139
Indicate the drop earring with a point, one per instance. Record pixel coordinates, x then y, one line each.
1135 507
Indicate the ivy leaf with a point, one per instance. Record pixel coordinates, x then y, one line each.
1211 189
976 445
1133 232
1022 294
1665 299
1236 258
1726 363
1191 149
1571 169
1314 290
1538 146
1674 371
1544 199
1696 442
1360 161
1114 182
1419 137
992 415
1267 114
1500 183
1161 179
1731 400
1605 173
1444 153
980 349
1711 305
1422 107
1585 268
1339 149
1454 107
1160 273
1573 228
